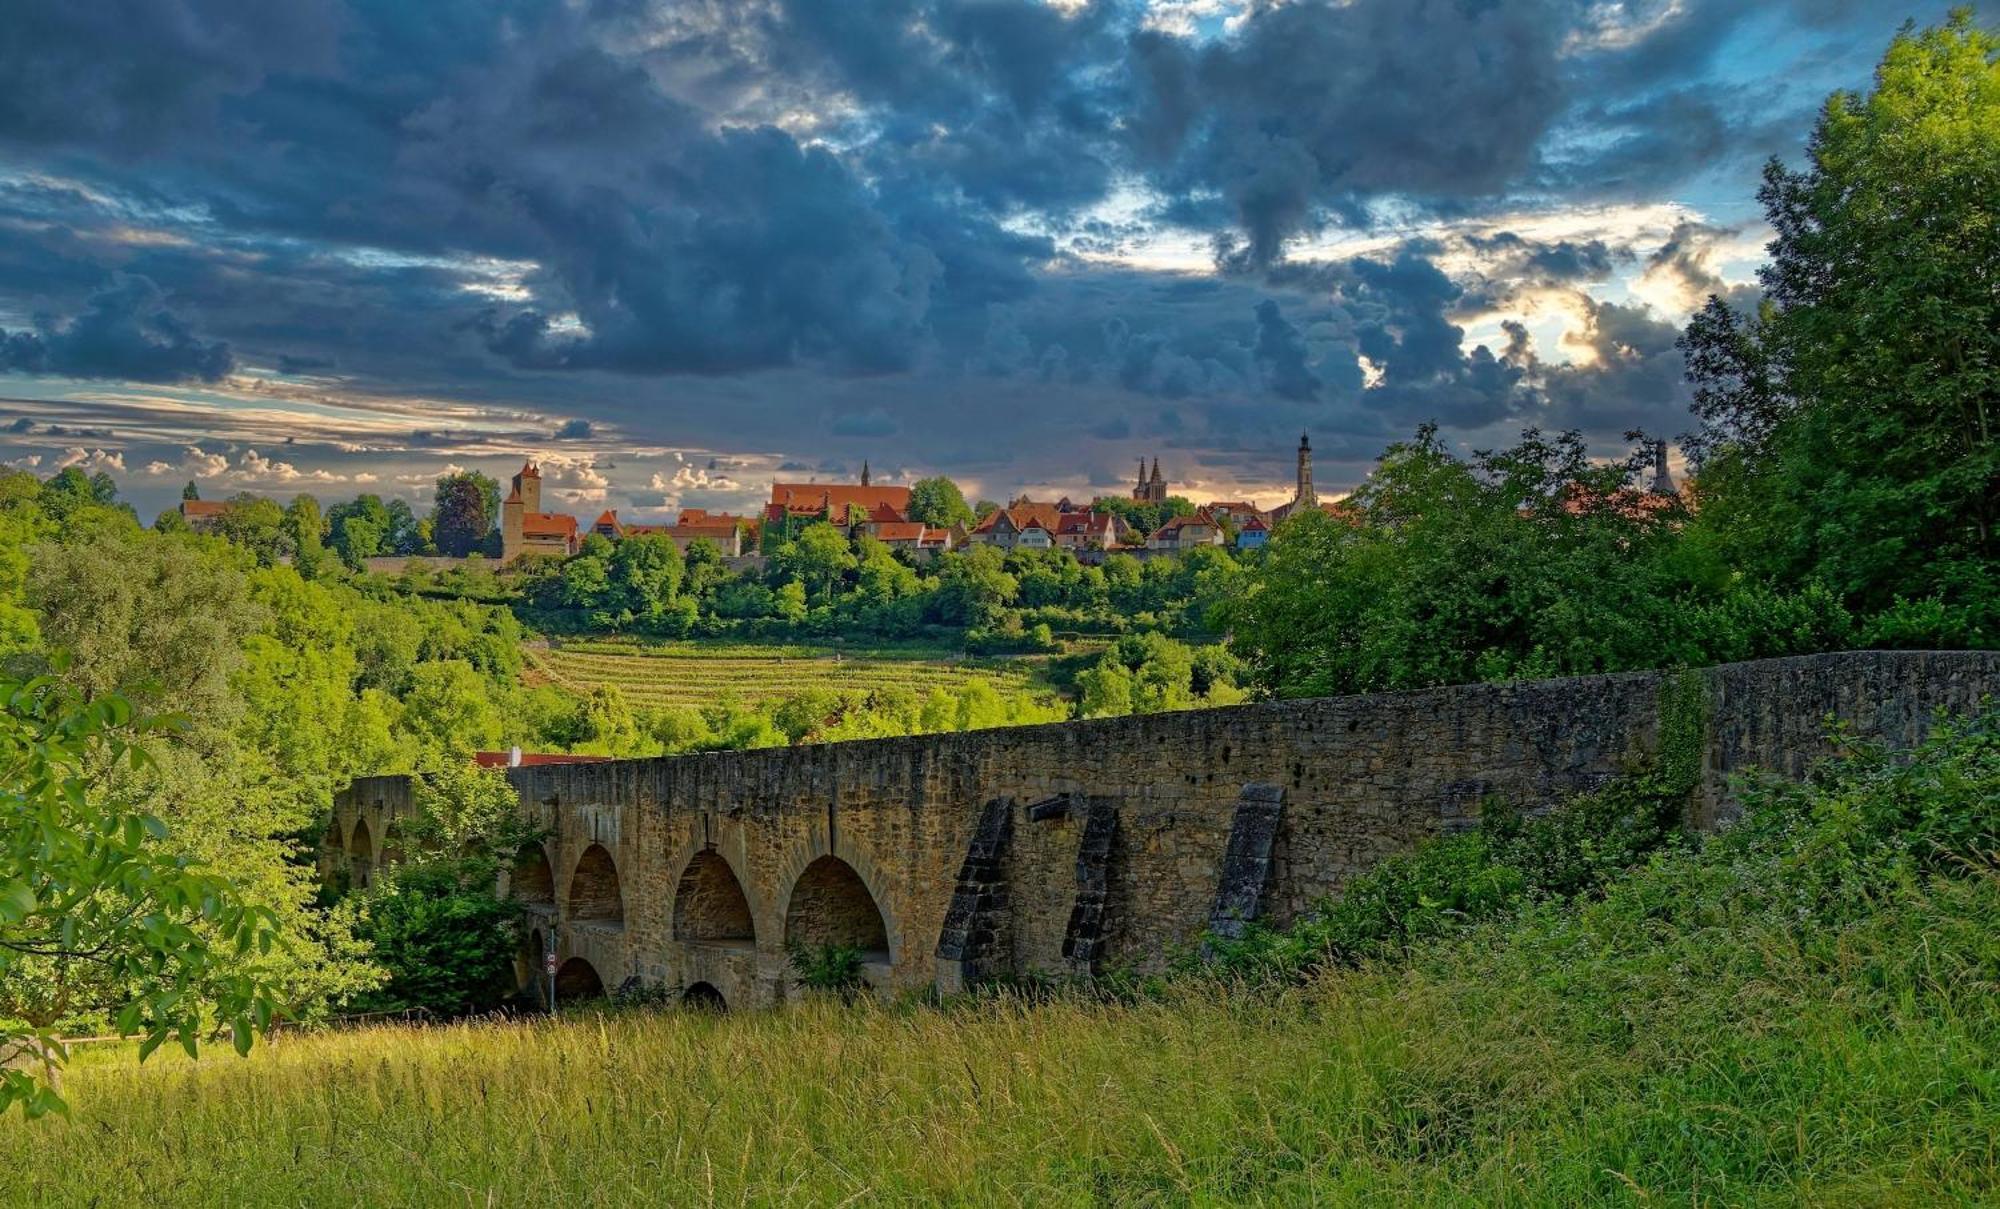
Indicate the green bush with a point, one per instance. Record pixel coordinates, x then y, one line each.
828 967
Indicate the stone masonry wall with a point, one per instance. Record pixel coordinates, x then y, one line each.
1357 778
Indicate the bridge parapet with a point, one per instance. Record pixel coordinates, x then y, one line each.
718 860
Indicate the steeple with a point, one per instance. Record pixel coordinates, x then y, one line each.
1663 482
864 472
1306 497
1156 470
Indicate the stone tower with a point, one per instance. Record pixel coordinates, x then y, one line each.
1306 497
523 501
1663 481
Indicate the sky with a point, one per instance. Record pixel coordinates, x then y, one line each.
676 249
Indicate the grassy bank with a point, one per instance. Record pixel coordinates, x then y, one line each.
1760 1068
703 673
1804 1009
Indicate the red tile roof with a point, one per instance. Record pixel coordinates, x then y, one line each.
899 531
1021 515
807 498
548 524
203 509
501 759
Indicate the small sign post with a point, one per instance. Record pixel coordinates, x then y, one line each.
549 966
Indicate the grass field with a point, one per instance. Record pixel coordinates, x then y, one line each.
699 673
1708 1064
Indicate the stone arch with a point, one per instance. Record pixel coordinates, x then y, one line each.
704 997
577 979
392 845
361 853
533 879
710 906
830 904
594 893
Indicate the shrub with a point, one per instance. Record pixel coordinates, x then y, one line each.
827 967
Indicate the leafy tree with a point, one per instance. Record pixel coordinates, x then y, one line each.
97 913
816 559
434 920
1529 561
305 532
646 571
973 587
1850 423
190 492
257 525
361 529
938 501
466 505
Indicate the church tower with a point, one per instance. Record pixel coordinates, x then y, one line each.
1306 497
1663 480
864 472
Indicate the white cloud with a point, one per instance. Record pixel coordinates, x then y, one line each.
92 460
693 478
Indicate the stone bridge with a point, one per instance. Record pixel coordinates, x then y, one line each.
1074 847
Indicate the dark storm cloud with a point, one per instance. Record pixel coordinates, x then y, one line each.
1440 101
124 332
770 211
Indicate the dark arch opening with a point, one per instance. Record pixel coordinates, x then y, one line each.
831 905
532 880
533 978
577 979
710 906
593 889
361 853
392 846
703 997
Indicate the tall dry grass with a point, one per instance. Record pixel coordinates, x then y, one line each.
1447 1083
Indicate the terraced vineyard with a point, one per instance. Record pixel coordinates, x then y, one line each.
696 674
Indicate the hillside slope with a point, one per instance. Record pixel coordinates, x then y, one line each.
1803 1009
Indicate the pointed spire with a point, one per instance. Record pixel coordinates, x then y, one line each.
864 472
1156 469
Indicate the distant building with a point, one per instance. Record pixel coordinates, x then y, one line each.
1186 532
1304 496
1090 530
1252 534
1003 527
1233 512
725 534
793 506
525 528
203 516
1150 490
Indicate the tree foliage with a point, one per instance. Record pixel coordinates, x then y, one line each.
1849 422
98 913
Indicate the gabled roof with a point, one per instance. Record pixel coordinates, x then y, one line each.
608 519
818 497
1177 523
899 531
1255 525
203 509
1020 515
548 524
